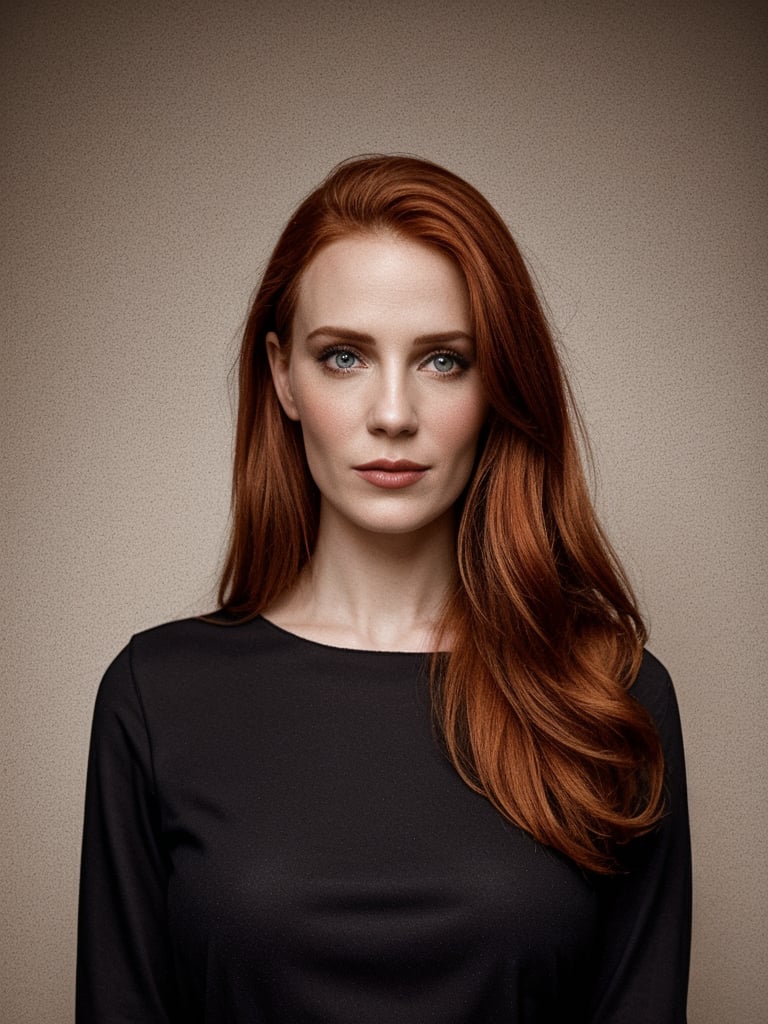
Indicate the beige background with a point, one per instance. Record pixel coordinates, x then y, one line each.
152 151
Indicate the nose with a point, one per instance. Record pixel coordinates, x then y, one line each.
392 409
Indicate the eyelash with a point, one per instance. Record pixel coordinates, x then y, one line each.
333 350
462 363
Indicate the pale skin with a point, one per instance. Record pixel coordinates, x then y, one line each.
380 365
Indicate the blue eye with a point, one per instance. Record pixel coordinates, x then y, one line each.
344 360
447 364
339 359
444 363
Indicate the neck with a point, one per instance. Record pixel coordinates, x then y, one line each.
372 591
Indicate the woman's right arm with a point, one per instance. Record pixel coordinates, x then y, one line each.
124 962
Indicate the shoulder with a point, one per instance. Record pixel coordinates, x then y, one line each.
176 644
653 689
175 659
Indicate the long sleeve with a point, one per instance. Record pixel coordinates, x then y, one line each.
124 968
646 916
272 835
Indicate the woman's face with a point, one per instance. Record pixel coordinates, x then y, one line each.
380 372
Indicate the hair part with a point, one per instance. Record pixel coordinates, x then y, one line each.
532 703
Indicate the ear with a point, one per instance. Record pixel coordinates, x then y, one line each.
279 364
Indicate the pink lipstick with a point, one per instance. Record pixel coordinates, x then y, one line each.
391 474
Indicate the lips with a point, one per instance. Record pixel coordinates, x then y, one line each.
393 466
391 474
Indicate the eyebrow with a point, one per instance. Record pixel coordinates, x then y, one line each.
440 338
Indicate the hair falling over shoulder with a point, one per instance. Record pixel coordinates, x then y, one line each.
532 703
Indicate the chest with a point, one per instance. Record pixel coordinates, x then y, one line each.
317 821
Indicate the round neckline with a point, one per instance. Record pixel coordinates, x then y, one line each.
340 650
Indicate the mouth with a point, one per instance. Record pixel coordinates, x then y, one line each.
393 466
391 474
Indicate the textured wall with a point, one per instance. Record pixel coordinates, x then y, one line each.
152 151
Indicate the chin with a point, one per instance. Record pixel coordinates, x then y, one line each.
401 525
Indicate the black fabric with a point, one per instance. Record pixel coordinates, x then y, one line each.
272 835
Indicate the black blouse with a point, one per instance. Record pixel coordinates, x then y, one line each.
272 835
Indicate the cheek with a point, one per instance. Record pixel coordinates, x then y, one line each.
460 425
324 423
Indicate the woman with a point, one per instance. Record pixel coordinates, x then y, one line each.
417 767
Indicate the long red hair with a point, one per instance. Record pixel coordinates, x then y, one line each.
532 702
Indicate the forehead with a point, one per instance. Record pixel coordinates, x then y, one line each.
380 277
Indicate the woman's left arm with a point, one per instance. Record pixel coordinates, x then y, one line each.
646 911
